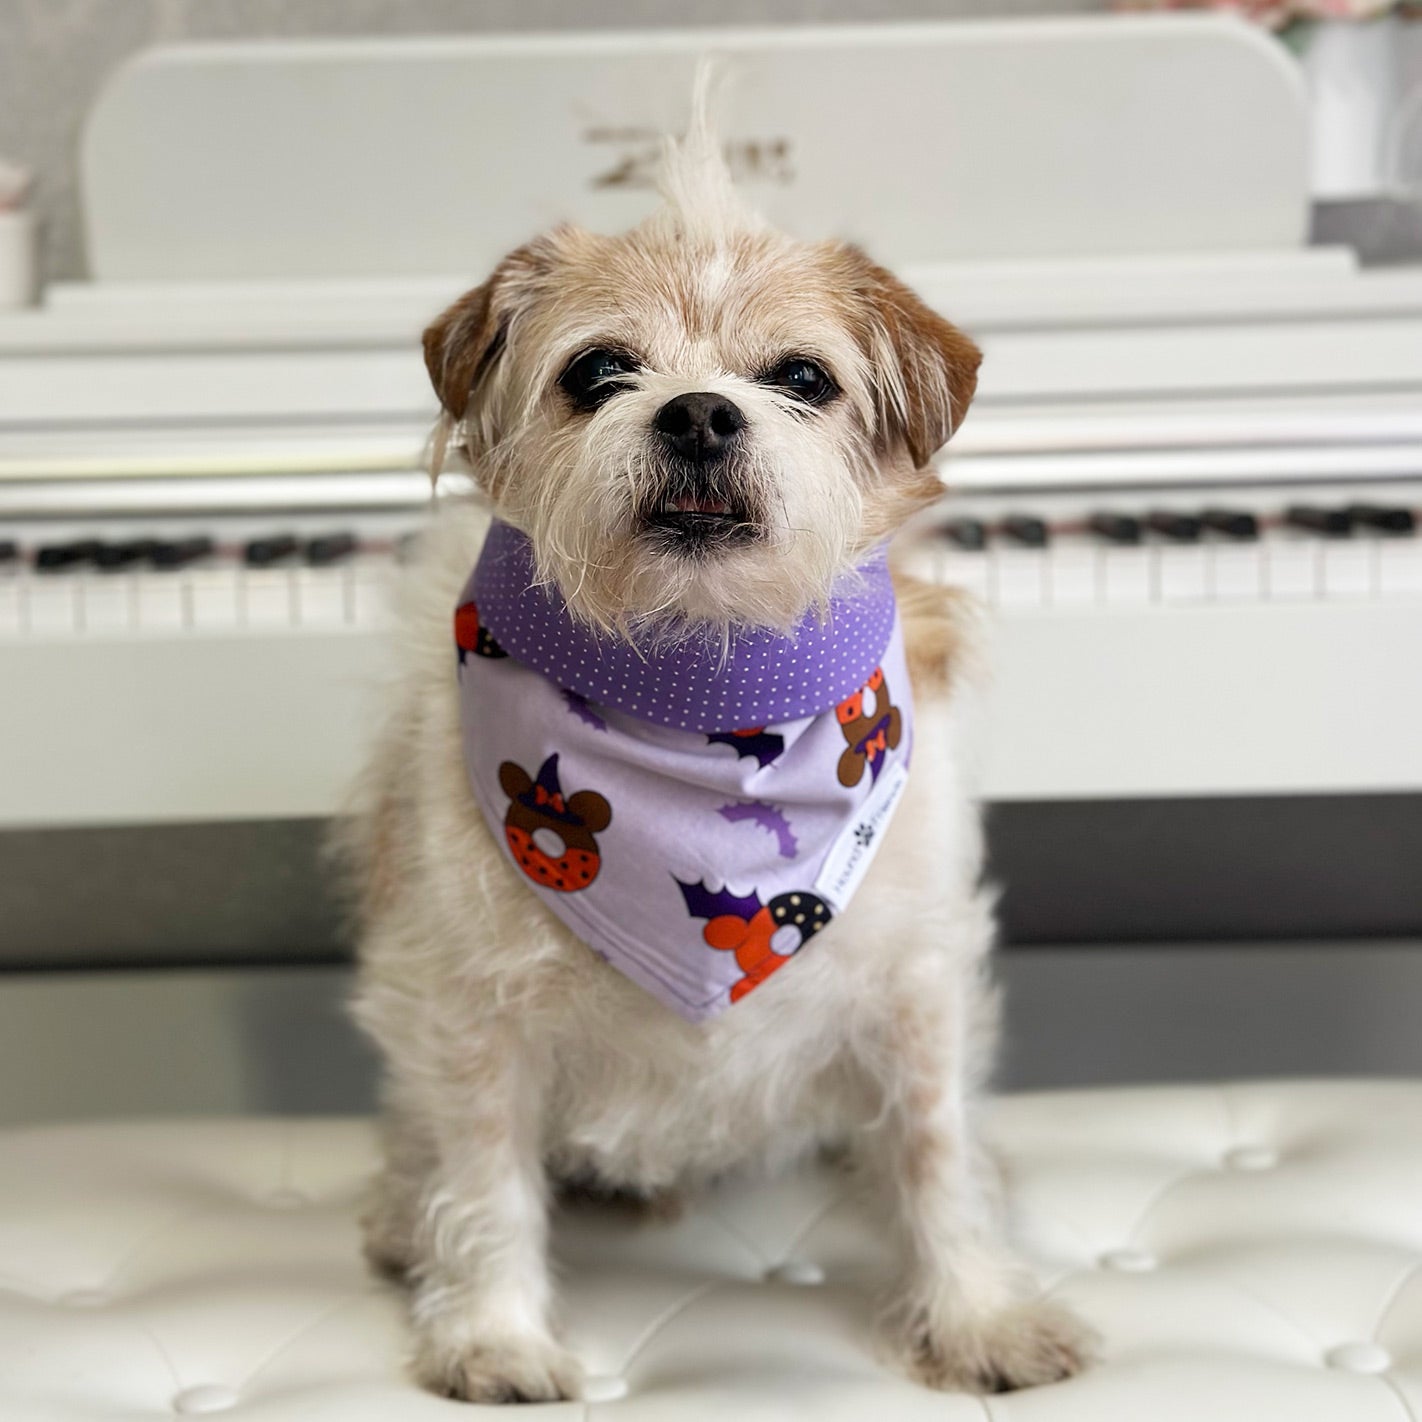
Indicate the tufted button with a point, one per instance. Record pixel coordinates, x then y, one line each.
287 1199
206 1397
1128 1261
1358 1358
1251 1157
605 1387
796 1271
84 1298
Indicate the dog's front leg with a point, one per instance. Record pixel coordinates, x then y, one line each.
482 1294
963 1311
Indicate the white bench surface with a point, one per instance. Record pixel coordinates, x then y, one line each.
1250 1253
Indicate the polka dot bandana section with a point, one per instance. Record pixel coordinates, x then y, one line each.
688 683
698 864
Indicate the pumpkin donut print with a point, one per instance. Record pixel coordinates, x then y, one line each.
763 937
872 725
470 634
538 811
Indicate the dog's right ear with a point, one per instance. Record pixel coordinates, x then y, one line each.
460 345
463 345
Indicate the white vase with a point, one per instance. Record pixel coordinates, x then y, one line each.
18 265
1354 91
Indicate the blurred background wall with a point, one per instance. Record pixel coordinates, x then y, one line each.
56 54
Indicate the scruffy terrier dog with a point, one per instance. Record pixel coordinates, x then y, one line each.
696 438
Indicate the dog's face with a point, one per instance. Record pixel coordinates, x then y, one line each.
704 426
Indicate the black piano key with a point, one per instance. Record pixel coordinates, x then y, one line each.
330 548
1383 520
1027 529
1178 527
263 552
179 552
115 557
969 534
1329 523
57 557
1115 528
1231 523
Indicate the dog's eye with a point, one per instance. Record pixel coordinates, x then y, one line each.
804 380
595 377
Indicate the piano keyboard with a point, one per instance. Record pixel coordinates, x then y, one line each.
1265 545
146 580
234 576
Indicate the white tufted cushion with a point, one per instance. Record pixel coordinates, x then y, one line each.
1249 1252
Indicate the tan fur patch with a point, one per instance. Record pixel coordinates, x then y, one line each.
464 340
928 368
936 622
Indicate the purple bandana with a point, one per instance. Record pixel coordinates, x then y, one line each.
694 815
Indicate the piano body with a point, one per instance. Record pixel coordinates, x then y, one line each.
1188 494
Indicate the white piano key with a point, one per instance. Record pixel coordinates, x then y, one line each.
374 582
215 597
1293 567
1019 577
1074 573
52 606
1349 567
969 571
267 598
1236 571
11 611
1182 572
322 596
1125 576
1400 567
107 603
161 603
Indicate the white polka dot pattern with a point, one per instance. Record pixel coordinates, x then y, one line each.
686 684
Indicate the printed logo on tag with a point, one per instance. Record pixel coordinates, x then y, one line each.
852 853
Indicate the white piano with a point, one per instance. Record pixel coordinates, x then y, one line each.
1189 493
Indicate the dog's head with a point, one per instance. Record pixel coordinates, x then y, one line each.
701 419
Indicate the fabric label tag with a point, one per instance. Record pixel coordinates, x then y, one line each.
852 853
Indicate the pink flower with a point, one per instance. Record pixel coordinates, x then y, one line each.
1274 14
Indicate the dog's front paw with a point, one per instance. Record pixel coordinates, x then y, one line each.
1023 1345
519 1369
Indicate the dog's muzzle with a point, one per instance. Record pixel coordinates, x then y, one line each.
699 506
700 427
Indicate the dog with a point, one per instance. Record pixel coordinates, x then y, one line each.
698 427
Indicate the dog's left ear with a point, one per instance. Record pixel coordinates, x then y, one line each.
925 369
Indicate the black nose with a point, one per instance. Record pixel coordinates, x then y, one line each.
700 426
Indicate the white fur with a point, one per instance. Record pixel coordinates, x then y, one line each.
516 1058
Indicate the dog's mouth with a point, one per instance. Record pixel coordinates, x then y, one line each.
695 521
